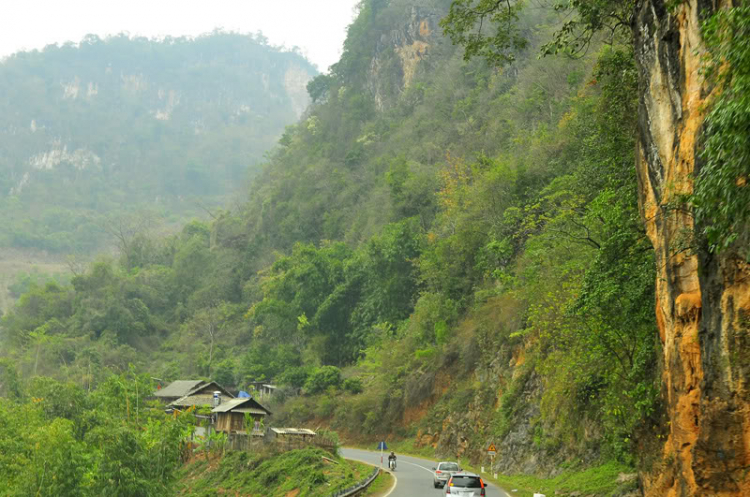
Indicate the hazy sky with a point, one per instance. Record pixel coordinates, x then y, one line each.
318 27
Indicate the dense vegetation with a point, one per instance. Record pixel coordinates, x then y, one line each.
723 176
61 439
387 240
95 132
441 240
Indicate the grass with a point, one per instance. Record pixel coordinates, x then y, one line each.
305 472
380 486
598 480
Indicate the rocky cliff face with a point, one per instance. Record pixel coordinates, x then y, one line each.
399 52
702 300
466 432
295 84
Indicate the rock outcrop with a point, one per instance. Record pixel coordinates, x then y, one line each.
409 43
295 84
703 299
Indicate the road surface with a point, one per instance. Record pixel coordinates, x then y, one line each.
413 475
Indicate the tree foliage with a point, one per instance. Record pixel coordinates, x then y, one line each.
62 440
722 195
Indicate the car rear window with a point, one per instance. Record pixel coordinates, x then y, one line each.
466 482
450 466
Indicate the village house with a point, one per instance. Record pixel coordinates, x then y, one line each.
263 390
231 416
182 394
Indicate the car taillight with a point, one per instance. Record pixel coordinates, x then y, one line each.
438 472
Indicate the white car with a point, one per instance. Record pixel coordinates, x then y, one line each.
442 473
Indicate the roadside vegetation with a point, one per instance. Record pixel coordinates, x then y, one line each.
302 472
381 486
610 479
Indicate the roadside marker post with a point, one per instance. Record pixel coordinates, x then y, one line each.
382 446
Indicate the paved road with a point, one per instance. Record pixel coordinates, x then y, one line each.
413 475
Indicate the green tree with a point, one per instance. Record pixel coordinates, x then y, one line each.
722 198
322 378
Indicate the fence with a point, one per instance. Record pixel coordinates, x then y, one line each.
244 442
355 489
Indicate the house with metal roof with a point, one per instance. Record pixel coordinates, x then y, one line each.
263 390
231 415
187 393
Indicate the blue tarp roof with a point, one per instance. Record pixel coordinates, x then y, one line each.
243 394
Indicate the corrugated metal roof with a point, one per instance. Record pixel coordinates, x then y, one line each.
178 388
251 410
229 404
243 403
292 431
194 400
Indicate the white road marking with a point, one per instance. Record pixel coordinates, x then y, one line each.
417 465
395 480
393 487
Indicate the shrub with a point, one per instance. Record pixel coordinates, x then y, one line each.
353 385
294 377
322 378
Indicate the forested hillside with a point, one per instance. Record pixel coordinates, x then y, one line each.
96 132
453 247
464 237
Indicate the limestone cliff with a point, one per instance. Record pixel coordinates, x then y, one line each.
702 299
398 53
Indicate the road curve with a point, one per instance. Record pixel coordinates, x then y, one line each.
413 475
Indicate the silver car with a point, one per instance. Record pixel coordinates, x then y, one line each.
442 473
465 485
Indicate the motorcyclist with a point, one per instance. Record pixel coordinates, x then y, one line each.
392 460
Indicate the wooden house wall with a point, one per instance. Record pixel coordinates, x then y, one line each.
233 421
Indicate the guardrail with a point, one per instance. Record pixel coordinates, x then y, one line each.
355 489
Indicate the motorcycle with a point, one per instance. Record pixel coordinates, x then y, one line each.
392 464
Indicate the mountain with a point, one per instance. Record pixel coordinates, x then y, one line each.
93 131
465 244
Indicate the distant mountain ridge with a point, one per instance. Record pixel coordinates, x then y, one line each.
118 124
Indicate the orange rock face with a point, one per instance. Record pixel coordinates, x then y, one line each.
703 300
